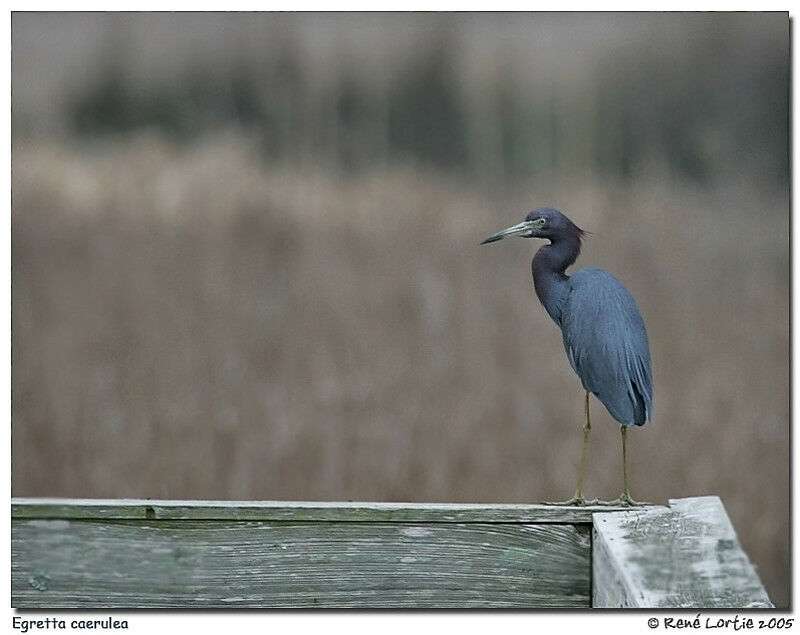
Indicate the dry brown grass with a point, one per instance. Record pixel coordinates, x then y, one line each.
191 324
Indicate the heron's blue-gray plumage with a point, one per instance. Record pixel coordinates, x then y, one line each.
606 343
604 333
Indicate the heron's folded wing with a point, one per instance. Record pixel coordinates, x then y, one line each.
606 343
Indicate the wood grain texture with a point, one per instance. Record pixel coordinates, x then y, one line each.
79 563
684 556
142 509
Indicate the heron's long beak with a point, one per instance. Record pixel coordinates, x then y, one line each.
517 230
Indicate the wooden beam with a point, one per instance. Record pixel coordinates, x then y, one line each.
146 554
684 556
139 509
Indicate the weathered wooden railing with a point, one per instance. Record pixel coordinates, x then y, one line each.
192 554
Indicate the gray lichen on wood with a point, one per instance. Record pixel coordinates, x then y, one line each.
684 556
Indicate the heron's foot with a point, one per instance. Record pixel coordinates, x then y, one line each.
624 500
576 501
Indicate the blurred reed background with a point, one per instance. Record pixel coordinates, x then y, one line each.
245 256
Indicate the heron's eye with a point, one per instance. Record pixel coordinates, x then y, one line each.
539 222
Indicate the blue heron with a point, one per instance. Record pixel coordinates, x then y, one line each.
603 331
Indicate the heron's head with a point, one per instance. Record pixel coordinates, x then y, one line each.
540 223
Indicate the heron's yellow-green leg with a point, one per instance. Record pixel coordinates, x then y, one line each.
578 498
587 428
626 494
625 499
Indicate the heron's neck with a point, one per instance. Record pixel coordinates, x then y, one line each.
549 279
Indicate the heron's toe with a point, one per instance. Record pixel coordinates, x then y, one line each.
575 501
625 500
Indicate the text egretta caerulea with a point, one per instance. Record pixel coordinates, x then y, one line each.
603 331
